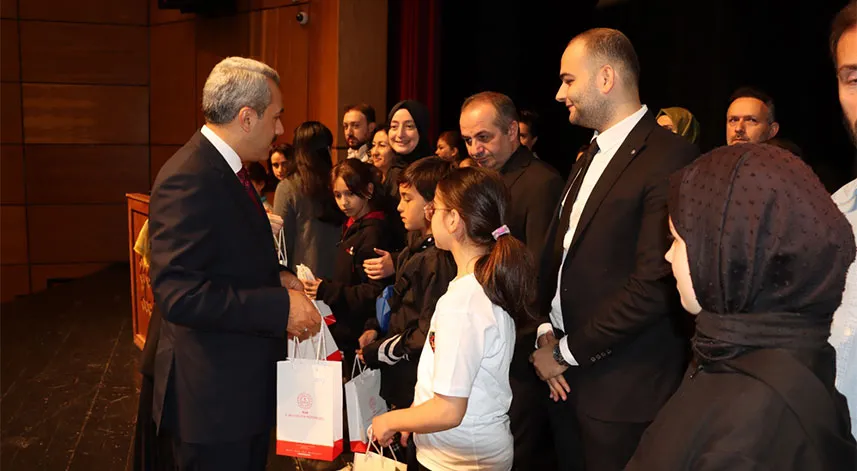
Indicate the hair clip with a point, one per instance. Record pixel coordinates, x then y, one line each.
501 231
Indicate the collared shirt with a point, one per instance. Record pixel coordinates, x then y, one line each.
843 331
226 152
609 142
361 153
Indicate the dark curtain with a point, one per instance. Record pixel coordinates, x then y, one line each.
413 55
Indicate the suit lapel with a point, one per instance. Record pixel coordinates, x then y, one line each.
515 167
630 148
235 191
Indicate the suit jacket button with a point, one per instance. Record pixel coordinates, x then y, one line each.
592 359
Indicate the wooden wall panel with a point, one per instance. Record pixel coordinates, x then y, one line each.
14 281
10 112
84 114
277 39
124 12
67 174
12 175
84 53
9 8
174 99
10 67
78 233
42 275
323 94
217 39
363 27
159 156
13 234
158 16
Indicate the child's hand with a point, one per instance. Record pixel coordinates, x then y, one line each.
404 440
382 431
368 337
379 268
311 287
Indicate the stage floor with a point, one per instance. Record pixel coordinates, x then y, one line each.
69 380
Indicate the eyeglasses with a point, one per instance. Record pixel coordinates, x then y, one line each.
430 209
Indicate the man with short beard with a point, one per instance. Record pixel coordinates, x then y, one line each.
843 332
358 123
608 349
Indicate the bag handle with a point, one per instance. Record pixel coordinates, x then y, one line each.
357 366
374 444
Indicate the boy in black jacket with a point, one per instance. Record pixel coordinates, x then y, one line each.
423 273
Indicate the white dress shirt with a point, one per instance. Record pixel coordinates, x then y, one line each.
843 331
609 142
361 153
226 152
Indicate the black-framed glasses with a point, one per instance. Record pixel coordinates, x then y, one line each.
430 208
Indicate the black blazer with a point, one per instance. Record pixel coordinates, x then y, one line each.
215 278
535 189
619 299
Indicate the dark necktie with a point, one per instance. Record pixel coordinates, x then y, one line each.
579 171
244 177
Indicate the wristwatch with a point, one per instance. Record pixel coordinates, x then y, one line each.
557 356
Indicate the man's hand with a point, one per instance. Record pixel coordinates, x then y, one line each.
547 338
382 430
549 370
311 287
379 268
304 319
368 337
276 224
290 281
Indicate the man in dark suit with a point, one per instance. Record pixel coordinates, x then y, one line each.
489 127
217 282
611 354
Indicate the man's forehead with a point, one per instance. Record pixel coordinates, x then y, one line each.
478 117
747 106
353 116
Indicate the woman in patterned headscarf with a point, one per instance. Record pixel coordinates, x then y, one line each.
760 255
680 121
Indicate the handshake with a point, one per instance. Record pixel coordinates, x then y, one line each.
304 318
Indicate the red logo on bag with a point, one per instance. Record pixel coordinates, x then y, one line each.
373 405
431 340
304 401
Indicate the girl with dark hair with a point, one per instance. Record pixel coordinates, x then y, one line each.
304 200
462 397
759 254
281 161
408 125
348 291
450 146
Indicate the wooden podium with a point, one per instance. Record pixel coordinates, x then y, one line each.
142 301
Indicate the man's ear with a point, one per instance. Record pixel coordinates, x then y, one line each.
371 189
246 118
775 128
513 131
605 79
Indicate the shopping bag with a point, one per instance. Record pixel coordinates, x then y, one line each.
307 348
280 241
363 402
382 309
305 274
309 407
375 460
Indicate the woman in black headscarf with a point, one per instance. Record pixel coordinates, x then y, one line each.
408 124
760 255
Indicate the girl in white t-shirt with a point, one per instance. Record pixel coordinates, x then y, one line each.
460 413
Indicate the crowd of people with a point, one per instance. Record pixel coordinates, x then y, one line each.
656 310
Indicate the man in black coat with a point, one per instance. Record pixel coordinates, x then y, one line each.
217 282
489 127
611 353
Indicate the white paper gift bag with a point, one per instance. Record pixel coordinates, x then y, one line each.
309 407
305 274
363 402
376 461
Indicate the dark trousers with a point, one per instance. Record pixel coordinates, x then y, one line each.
585 443
528 417
250 454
